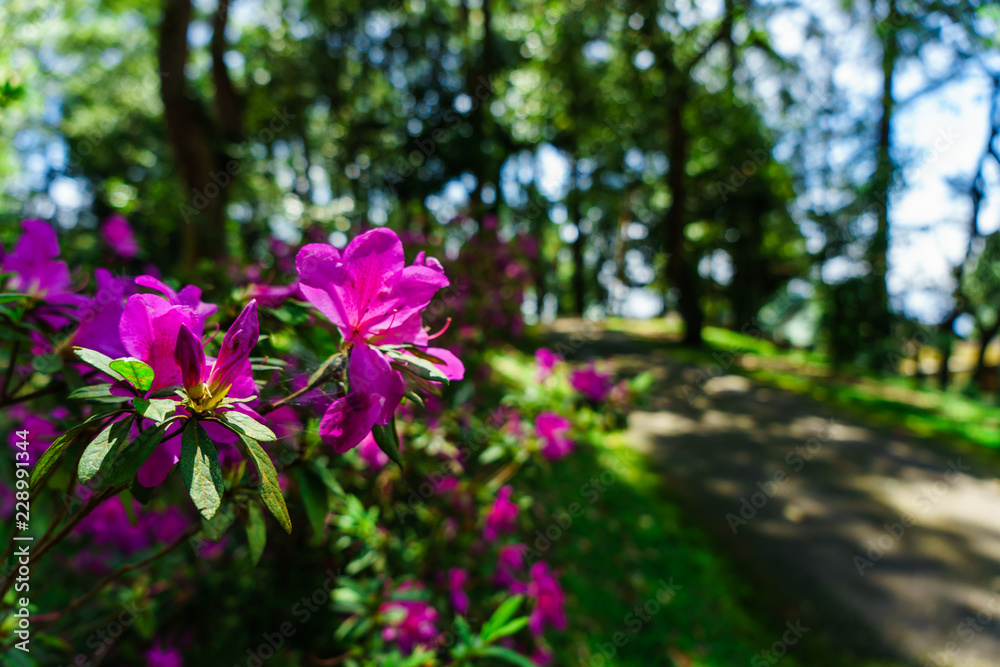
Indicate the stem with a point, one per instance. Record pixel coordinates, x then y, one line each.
49 618
334 368
52 388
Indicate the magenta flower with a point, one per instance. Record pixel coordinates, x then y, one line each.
371 453
550 601
552 428
99 316
502 517
37 273
108 525
166 336
590 382
456 583
510 561
158 656
188 297
118 235
374 299
208 384
408 623
273 296
545 360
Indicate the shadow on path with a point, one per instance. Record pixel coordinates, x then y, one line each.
879 542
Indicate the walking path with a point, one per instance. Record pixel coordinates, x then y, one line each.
882 543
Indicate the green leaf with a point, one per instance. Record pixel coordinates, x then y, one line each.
135 372
327 477
132 457
256 532
506 654
508 629
7 297
140 492
316 501
269 490
242 424
156 409
101 362
419 367
200 469
58 447
108 440
388 441
47 364
96 392
503 614
217 526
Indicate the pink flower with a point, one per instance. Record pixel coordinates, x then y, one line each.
550 601
510 561
285 422
552 428
118 234
207 384
99 316
456 583
371 453
163 657
546 360
502 517
374 299
408 623
542 656
38 273
592 383
273 296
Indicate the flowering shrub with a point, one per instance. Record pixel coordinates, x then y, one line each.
323 409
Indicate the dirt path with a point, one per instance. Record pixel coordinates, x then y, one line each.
881 544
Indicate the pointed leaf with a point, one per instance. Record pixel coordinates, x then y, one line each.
316 501
156 409
58 447
256 532
243 424
134 455
513 627
200 469
111 438
135 372
101 362
503 614
270 491
96 392
387 439
506 655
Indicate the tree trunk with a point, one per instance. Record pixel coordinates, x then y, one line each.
194 136
680 271
882 183
579 275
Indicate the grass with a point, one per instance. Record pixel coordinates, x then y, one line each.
631 544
